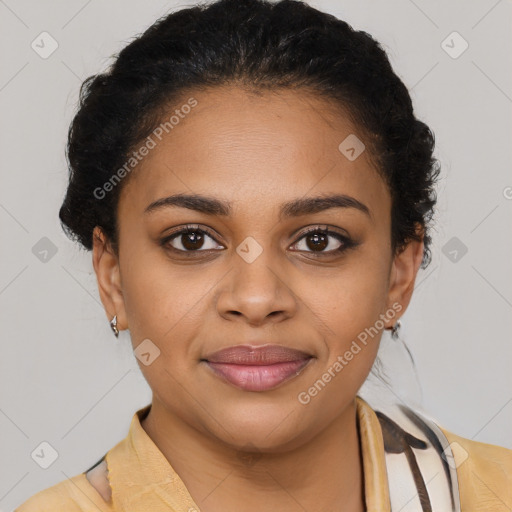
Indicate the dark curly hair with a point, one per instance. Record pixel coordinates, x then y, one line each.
258 45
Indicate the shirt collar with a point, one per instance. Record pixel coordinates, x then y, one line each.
141 478
376 488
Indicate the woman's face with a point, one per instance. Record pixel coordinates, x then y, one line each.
248 273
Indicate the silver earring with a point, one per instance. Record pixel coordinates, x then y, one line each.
395 329
113 324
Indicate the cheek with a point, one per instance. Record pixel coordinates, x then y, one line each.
350 299
161 301
350 326
347 308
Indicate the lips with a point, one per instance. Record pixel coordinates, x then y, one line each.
258 368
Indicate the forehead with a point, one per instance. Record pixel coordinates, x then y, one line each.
271 146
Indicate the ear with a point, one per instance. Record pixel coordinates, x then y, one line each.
404 269
106 266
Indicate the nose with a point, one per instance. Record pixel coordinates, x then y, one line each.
256 292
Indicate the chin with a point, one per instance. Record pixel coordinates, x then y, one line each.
272 428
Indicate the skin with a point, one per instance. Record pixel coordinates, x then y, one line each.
256 152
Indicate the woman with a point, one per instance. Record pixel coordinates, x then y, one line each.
256 192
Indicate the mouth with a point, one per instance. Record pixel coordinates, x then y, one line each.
257 368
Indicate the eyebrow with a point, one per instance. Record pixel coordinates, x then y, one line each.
289 209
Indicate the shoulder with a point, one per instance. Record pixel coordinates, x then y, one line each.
484 472
75 494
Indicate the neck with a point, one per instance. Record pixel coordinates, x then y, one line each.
323 474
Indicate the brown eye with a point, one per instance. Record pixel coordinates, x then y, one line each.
317 241
323 241
191 240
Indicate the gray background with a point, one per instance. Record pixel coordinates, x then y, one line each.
63 377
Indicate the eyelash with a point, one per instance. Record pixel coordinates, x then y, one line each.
347 243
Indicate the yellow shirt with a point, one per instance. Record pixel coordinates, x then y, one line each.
141 478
